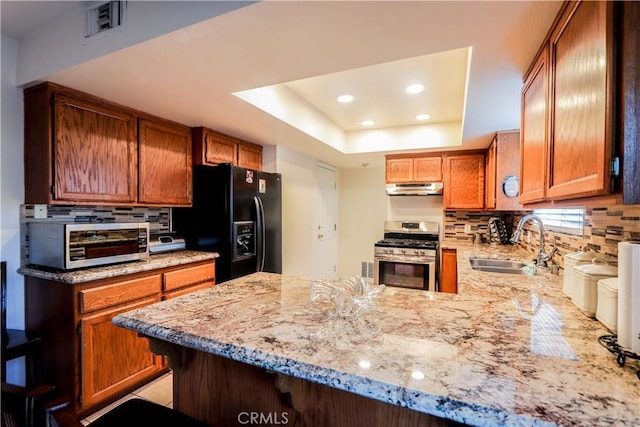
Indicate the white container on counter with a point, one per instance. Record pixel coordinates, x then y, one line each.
575 259
571 261
607 306
586 278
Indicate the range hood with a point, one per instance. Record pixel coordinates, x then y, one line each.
415 189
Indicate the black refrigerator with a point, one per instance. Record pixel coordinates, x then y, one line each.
236 212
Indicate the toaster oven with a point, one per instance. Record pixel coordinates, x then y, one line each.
68 246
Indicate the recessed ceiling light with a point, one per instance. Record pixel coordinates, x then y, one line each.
423 116
367 123
345 98
417 88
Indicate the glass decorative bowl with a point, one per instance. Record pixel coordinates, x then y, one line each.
348 297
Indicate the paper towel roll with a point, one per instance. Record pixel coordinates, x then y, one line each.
629 295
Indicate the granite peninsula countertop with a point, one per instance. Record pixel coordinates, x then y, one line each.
506 350
155 261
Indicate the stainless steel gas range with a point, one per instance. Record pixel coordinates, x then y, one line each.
408 255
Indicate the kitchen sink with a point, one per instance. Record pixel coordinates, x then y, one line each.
493 265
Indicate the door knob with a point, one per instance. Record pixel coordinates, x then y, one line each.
320 236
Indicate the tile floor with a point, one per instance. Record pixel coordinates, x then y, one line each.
159 391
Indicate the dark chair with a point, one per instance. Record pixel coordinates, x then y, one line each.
132 413
16 342
22 407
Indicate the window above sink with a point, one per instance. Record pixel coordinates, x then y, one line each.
568 221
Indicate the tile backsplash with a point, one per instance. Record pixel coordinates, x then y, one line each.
159 218
604 228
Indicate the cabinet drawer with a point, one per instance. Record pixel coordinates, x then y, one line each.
118 293
188 276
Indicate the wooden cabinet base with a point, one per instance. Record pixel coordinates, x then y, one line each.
88 359
221 391
449 271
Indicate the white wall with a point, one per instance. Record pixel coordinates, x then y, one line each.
12 193
299 192
423 208
363 208
61 44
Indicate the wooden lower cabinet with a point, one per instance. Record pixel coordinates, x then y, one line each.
86 357
449 271
224 392
113 359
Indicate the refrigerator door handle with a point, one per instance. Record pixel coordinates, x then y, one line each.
260 234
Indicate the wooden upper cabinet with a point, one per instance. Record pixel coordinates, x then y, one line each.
569 101
214 148
408 168
78 150
503 171
427 169
582 121
165 163
534 131
490 176
399 170
250 155
464 181
95 152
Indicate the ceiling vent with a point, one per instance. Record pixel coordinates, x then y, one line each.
104 17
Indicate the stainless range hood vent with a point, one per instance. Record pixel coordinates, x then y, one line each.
415 189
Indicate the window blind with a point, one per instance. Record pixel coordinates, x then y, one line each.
569 221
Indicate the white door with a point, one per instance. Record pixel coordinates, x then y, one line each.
326 223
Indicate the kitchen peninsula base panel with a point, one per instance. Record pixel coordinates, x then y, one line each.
221 391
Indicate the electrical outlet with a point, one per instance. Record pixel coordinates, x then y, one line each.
467 228
39 211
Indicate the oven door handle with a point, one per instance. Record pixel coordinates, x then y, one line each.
404 260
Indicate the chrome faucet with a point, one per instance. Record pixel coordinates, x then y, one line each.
543 257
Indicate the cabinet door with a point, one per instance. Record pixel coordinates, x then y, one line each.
507 171
490 183
534 132
219 148
580 143
427 169
464 181
95 153
399 170
250 156
165 164
449 275
113 359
